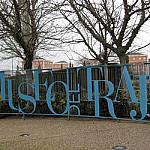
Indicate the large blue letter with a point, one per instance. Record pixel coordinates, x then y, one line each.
2 79
10 100
89 80
36 80
26 97
129 85
109 101
143 98
49 99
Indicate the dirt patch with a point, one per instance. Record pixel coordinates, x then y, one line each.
55 133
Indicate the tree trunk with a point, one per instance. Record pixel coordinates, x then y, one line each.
123 59
29 54
29 74
28 64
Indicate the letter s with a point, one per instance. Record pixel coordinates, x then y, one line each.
26 98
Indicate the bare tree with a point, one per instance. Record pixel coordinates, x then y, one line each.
113 23
25 26
79 34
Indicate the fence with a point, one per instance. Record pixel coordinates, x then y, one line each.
112 91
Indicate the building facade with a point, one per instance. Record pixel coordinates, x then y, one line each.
45 64
138 63
61 65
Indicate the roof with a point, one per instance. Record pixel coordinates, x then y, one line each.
38 57
61 62
130 53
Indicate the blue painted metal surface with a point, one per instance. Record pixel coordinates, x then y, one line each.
29 91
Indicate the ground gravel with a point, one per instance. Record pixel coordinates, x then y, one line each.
58 133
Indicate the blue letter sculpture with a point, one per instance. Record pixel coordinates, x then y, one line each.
74 95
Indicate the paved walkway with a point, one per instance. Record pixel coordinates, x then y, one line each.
50 133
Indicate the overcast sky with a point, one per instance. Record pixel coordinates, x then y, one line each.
68 55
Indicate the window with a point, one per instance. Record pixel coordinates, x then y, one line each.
134 68
145 69
144 58
133 58
139 58
140 68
